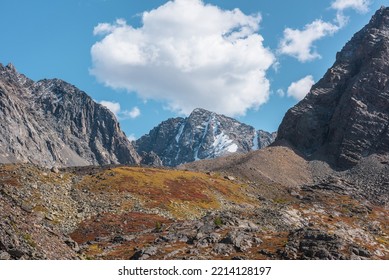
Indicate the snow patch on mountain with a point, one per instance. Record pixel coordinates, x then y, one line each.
223 143
255 141
181 129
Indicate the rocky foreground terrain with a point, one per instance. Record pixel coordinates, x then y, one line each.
124 212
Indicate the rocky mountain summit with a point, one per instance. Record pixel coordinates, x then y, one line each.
345 116
51 122
202 135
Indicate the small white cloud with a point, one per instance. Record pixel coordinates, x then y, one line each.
280 92
134 113
299 89
299 43
188 54
114 107
276 66
341 19
131 137
361 6
105 28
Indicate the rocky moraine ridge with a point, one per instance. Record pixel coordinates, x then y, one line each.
202 135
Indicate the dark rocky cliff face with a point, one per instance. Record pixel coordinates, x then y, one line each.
345 116
51 122
202 135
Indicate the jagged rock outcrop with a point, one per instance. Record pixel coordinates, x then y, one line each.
151 159
345 116
202 135
51 122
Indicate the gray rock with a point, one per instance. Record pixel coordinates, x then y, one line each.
248 226
204 240
309 243
145 253
4 256
118 239
358 251
230 178
223 249
16 253
54 169
151 251
151 159
72 244
241 240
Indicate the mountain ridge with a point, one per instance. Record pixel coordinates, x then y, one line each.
201 135
51 122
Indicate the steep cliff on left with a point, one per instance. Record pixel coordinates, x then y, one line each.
52 123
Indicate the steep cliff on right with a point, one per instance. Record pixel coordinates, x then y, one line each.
345 116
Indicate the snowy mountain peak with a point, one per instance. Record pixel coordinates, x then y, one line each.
202 135
201 111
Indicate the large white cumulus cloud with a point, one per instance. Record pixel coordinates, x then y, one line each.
188 55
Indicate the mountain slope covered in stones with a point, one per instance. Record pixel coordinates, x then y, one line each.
345 116
122 212
202 135
51 122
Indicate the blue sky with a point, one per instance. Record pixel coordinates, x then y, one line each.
151 60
